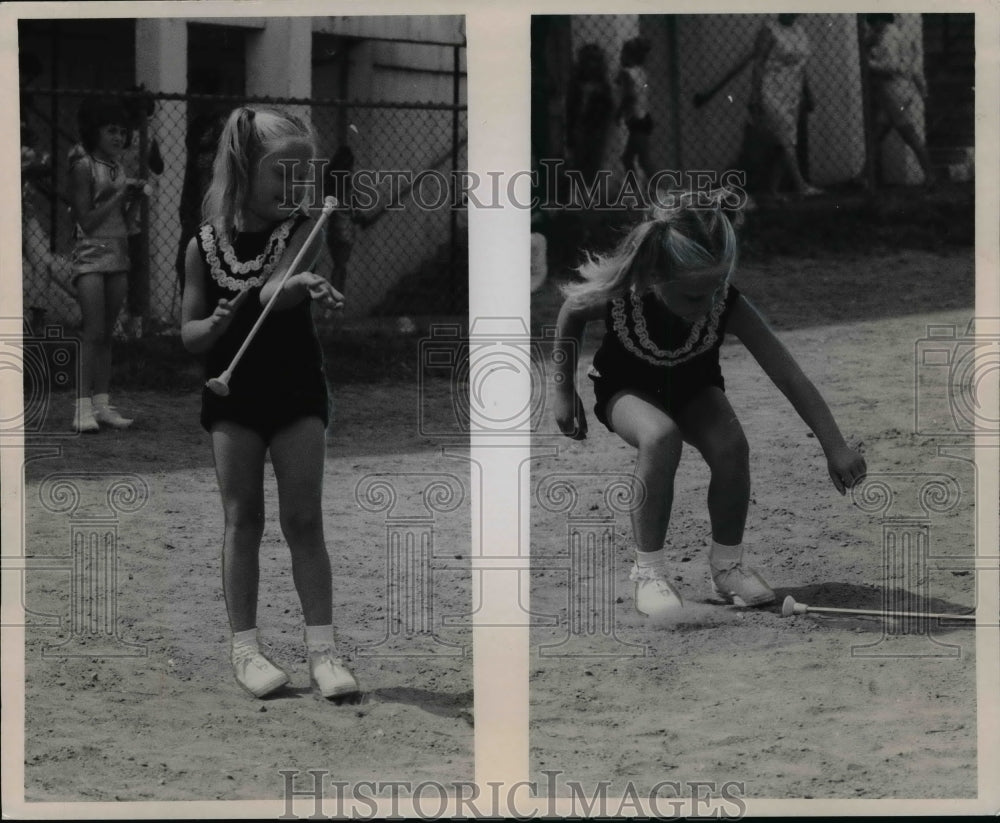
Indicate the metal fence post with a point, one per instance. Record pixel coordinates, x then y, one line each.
453 213
143 270
866 108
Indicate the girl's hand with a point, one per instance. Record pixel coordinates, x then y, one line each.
224 312
847 467
136 186
319 289
570 416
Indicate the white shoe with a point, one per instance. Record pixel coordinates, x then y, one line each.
256 673
655 597
109 416
741 587
84 421
329 675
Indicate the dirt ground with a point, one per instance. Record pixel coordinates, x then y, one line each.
797 707
173 724
791 707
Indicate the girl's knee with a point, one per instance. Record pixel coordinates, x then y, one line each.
728 448
244 517
661 442
302 525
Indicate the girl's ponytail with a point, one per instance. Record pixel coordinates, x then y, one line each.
241 145
231 171
691 230
245 137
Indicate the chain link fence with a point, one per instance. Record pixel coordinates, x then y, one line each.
858 100
402 251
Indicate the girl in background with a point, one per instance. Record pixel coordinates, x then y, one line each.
780 88
104 202
633 88
899 87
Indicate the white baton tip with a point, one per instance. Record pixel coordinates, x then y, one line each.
329 204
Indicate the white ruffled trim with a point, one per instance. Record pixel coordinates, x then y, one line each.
706 329
264 262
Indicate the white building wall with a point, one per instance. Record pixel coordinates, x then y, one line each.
406 140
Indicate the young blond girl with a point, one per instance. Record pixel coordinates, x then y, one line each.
278 399
668 302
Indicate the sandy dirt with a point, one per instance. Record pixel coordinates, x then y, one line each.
803 706
173 724
791 707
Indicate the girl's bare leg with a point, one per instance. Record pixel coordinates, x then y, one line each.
643 424
297 454
239 465
711 426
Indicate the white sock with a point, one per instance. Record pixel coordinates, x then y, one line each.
320 637
85 404
101 401
247 638
657 559
724 557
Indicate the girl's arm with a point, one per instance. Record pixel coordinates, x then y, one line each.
808 101
200 327
884 57
846 466
761 50
570 327
85 214
133 188
625 93
305 284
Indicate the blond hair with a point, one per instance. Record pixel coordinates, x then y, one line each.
242 144
693 232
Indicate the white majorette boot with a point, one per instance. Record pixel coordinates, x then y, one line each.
107 415
84 421
655 597
256 673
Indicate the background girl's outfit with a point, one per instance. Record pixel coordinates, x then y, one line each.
649 349
635 92
780 81
280 377
105 247
896 70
